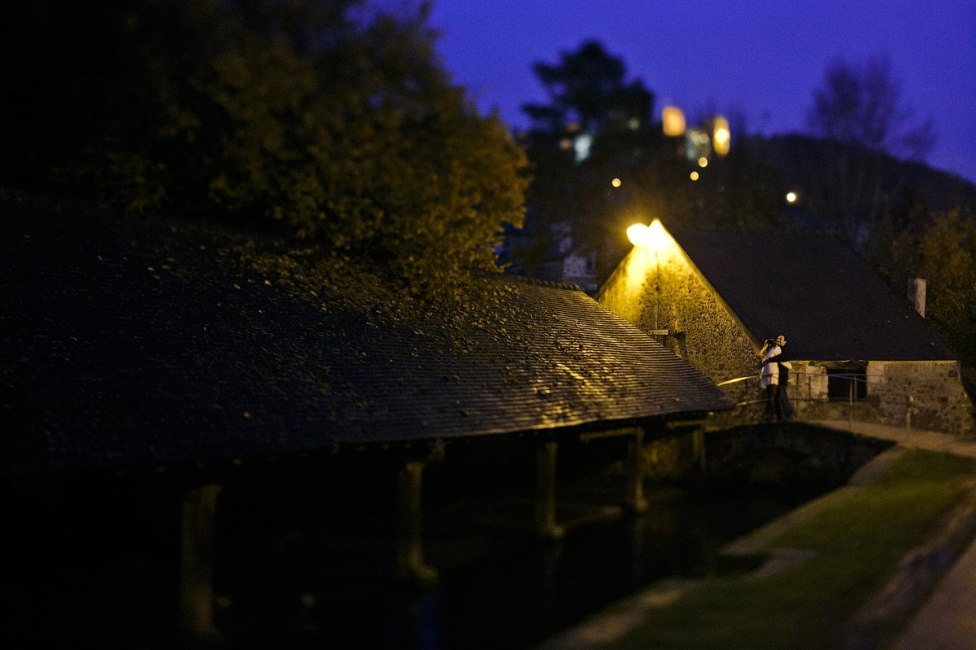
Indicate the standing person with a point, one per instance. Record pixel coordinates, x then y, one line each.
784 409
769 378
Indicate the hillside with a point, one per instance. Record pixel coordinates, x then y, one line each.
814 166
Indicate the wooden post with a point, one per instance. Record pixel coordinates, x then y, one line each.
850 402
699 449
635 475
196 563
409 544
545 508
909 408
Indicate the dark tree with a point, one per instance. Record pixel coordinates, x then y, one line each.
588 88
330 121
861 112
863 106
597 129
941 247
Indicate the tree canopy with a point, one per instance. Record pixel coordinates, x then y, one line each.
860 114
601 163
588 88
334 122
941 247
863 105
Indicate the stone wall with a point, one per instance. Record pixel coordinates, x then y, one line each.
930 392
660 289
740 455
918 394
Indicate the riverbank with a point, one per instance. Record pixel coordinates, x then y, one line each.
852 569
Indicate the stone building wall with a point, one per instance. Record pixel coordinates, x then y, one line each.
658 289
661 290
809 394
918 394
930 391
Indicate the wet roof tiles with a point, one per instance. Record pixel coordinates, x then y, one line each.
134 340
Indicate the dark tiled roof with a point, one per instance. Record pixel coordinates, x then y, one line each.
136 341
818 292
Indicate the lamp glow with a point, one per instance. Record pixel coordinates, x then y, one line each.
652 236
639 234
656 237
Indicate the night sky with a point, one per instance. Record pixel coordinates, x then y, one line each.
753 58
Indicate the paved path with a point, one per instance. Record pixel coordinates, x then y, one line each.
947 621
906 437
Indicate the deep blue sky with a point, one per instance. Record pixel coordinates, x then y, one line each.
761 59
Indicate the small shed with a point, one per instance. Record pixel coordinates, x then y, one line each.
858 349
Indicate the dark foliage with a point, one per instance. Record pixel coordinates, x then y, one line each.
333 122
601 163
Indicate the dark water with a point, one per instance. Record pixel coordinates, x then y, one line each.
100 569
495 590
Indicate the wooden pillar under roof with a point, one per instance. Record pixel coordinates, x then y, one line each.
545 508
635 475
410 563
197 563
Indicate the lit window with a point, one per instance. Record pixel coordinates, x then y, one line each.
581 145
673 121
721 136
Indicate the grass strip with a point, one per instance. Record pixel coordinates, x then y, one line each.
858 545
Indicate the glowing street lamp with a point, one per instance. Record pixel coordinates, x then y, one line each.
652 236
639 234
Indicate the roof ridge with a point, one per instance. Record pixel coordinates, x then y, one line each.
552 284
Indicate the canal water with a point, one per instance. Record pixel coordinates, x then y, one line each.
497 590
99 568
